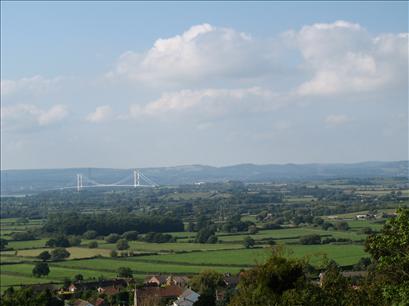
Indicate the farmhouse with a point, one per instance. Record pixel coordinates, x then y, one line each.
187 298
155 295
156 280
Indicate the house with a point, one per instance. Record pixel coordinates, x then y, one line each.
111 290
230 280
156 280
187 298
80 302
180 281
156 294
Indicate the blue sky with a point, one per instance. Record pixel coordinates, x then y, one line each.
136 84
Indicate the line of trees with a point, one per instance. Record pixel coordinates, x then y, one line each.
104 224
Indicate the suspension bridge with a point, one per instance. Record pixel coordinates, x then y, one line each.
135 179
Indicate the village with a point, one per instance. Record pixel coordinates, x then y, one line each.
158 289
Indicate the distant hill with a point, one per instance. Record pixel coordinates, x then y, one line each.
31 181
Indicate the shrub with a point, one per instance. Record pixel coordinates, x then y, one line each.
342 226
59 253
248 242
122 244
41 269
125 272
310 239
23 236
130 235
112 238
44 256
89 235
93 244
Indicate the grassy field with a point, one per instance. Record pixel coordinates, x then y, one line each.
20 245
291 233
7 280
342 254
56 272
140 266
76 252
181 257
172 247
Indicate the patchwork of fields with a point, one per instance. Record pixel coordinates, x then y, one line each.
181 257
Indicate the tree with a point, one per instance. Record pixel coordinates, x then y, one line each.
122 244
89 235
125 272
44 256
22 236
207 282
3 243
112 238
342 226
130 235
113 254
78 277
204 234
390 252
59 253
248 242
326 225
265 284
60 241
310 239
29 297
253 229
93 244
41 269
212 239
74 241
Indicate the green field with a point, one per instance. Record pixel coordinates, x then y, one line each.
342 254
20 245
56 272
76 252
140 266
172 247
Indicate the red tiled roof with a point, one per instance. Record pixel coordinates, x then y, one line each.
169 291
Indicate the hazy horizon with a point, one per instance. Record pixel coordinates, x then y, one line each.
213 166
126 86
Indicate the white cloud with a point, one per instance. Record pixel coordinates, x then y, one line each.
34 85
26 116
52 115
336 120
210 102
101 114
203 51
343 57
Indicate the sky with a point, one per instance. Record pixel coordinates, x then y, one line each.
142 84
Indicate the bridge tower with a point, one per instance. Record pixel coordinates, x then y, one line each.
136 178
79 182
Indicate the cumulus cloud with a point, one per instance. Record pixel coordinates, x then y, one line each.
101 114
212 102
203 51
336 120
342 57
27 116
34 85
